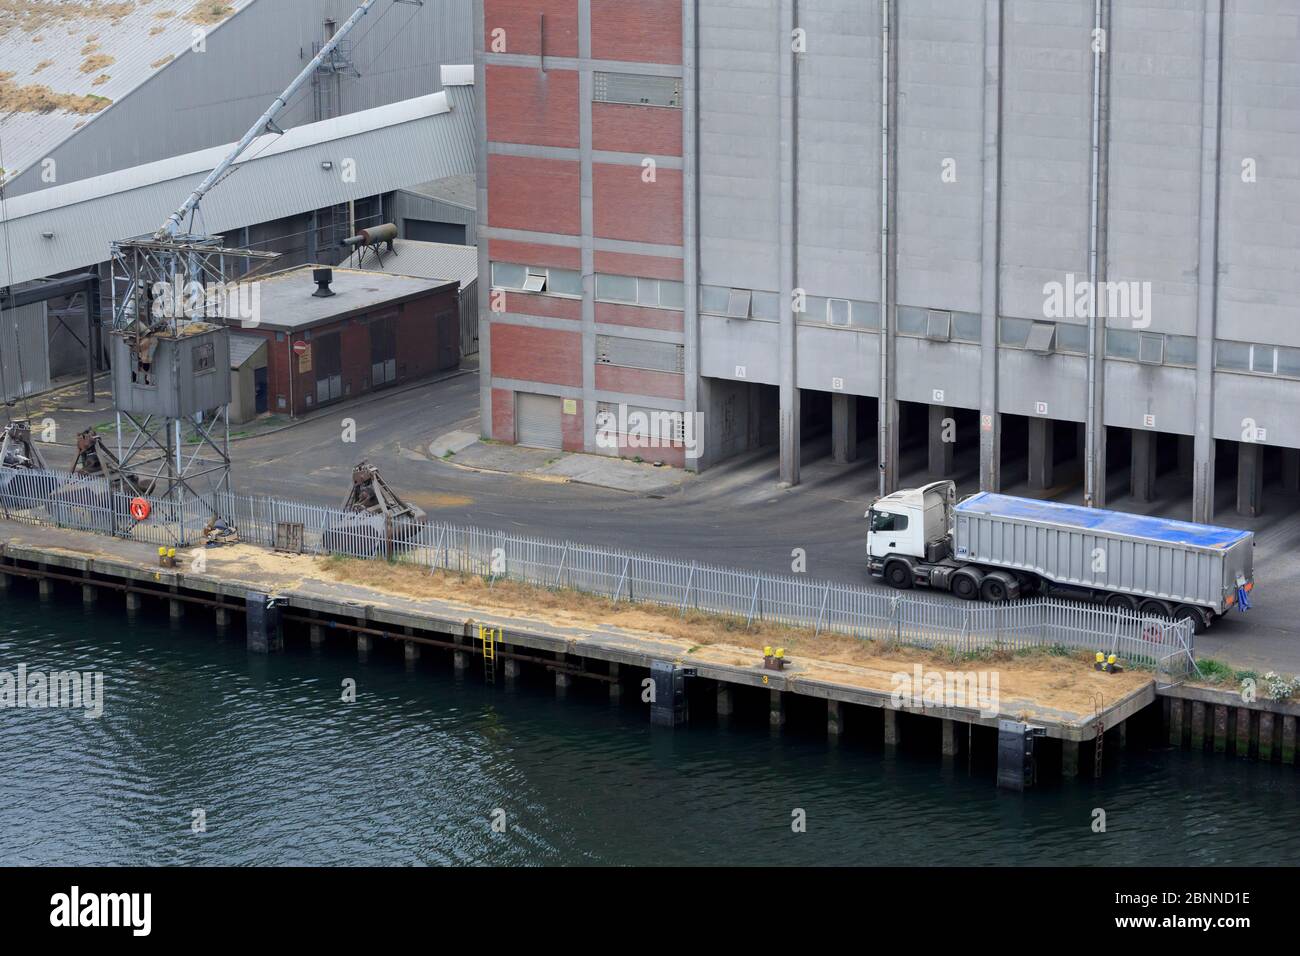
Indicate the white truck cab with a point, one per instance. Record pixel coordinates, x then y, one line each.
916 522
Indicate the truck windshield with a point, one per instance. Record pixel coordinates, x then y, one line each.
884 521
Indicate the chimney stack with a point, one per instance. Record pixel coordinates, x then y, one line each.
323 279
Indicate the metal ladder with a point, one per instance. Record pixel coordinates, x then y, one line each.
488 636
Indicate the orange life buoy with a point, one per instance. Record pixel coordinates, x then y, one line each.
139 509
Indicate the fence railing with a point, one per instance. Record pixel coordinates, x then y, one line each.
870 612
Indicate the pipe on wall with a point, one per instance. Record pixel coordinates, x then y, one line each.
883 418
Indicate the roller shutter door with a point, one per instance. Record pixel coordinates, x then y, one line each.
538 421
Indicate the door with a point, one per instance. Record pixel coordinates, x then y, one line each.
328 359
447 329
538 421
383 351
259 389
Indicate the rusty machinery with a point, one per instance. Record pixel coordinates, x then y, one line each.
372 238
375 520
24 479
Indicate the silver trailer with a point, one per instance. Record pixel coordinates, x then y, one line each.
1000 547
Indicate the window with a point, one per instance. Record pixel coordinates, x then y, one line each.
1041 338
1071 338
1263 358
1014 331
647 292
1234 356
205 357
637 89
884 521
615 288
839 312
1288 362
1122 344
966 327
672 294
650 293
536 279
738 304
714 299
765 305
535 282
1180 350
507 275
912 321
642 422
1151 349
564 281
639 353
939 326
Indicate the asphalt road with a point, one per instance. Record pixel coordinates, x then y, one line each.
733 514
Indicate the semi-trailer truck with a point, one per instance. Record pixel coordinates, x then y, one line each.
999 548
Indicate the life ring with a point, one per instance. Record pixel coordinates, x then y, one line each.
139 509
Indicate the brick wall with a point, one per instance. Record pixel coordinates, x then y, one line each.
527 303
636 381
521 21
536 355
525 105
638 317
628 264
574 438
622 128
540 195
647 31
628 208
503 414
535 254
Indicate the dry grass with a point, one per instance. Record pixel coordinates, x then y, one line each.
163 62
97 62
42 65
36 14
209 12
100 80
38 98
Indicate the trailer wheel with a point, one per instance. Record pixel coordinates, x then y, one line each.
1155 608
1187 612
898 575
1122 602
993 590
965 585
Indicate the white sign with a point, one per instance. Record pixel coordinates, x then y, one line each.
740 371
938 395
1040 408
837 383
1149 421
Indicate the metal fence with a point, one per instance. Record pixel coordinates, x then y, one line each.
870 612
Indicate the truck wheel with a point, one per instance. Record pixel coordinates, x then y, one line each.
898 575
1155 608
1186 612
993 590
1121 602
965 586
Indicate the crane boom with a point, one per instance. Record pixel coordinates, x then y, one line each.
171 227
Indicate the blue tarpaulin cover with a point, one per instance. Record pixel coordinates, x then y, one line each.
1100 520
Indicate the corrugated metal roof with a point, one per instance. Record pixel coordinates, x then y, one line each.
390 145
457 190
243 347
427 260
84 48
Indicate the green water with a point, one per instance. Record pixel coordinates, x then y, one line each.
284 771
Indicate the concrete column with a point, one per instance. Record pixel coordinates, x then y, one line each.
1243 732
364 643
4 582
991 248
941 451
175 609
1291 470
1186 457
844 428
949 738
459 662
787 331
132 601
410 651
1142 477
316 634
1220 728
1250 479
1069 758
891 727
1041 459
1177 708
834 721
1122 729
511 670
1266 736
1288 739
776 711
562 680
223 617
616 684
1198 725
89 594
45 587
725 704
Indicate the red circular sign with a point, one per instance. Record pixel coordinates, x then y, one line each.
300 347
